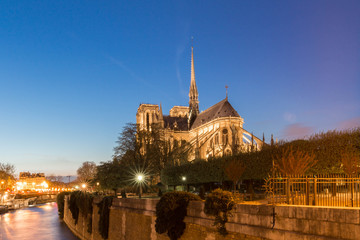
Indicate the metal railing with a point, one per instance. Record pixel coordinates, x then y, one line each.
321 190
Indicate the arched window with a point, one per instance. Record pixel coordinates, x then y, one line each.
227 152
224 136
147 121
217 139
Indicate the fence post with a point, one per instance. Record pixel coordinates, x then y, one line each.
352 191
307 191
315 192
288 190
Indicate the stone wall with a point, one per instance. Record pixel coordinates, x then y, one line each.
135 219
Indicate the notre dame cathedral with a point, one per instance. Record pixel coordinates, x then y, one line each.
215 132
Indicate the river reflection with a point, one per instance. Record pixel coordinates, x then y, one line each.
36 223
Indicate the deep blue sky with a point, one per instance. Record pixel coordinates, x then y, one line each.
72 73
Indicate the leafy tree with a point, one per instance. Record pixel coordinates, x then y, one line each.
87 171
112 175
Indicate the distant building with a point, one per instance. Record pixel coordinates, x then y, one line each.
217 131
29 180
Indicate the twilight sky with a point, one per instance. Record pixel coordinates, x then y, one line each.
72 73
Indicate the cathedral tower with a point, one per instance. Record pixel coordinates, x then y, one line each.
193 94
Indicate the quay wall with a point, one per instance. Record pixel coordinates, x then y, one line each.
135 219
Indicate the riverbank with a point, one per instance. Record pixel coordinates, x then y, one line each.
19 203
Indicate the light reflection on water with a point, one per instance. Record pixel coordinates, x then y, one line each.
36 223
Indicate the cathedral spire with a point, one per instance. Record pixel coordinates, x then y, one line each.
193 93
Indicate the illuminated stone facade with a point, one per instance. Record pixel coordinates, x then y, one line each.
29 180
217 131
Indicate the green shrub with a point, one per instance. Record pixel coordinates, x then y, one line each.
104 212
219 204
171 211
60 200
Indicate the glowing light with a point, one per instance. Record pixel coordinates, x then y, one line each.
140 177
183 178
83 186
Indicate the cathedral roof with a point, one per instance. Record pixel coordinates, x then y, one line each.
176 123
221 109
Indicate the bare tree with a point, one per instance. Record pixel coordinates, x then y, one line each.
87 171
350 159
294 162
7 174
234 170
7 169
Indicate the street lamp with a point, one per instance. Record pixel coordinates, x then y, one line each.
183 178
140 179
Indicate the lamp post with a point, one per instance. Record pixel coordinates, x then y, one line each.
183 178
140 180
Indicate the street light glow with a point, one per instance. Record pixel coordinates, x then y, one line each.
140 177
184 178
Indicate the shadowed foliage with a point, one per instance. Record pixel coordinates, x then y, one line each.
171 211
234 170
104 213
60 200
219 204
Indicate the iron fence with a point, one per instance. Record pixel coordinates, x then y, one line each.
321 190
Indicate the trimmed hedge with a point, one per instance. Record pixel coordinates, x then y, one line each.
328 149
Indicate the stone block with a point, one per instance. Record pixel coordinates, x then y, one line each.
301 225
337 215
348 231
352 216
282 211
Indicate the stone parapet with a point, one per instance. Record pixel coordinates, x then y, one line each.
135 219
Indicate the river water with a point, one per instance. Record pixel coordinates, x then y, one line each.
36 223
